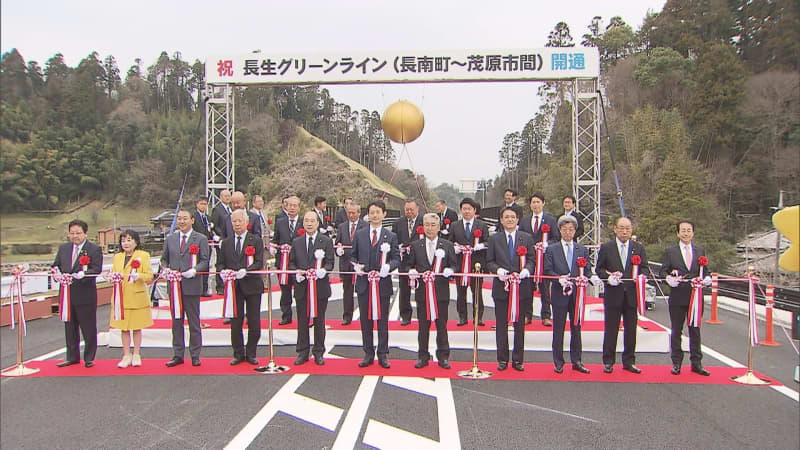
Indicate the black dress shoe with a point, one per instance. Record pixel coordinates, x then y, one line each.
559 368
517 366
608 368
319 360
461 322
547 322
700 370
301 359
174 362
528 321
579 367
195 362
676 369
252 360
66 363
346 322
405 322
383 362
89 364
631 368
421 363
502 365
226 322
236 360
444 364
285 321
366 362
481 323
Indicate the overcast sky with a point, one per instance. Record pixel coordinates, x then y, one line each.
464 122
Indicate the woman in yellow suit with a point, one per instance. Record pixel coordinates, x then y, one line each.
134 293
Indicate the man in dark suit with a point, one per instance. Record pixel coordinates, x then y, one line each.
202 224
219 216
532 224
253 223
345 235
679 267
341 213
462 233
286 228
570 209
423 258
176 256
82 293
303 256
406 230
613 263
368 245
503 259
560 260
321 209
258 215
249 286
509 201
282 212
443 212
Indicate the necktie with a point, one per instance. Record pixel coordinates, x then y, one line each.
238 245
74 254
291 226
431 251
310 248
205 220
511 248
183 242
623 254
469 231
569 256
687 256
410 225
263 222
535 224
352 232
374 237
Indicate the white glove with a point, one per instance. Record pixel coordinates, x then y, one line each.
445 232
545 244
133 276
492 229
359 269
413 273
79 275
613 281
273 251
321 273
215 238
330 228
384 271
707 281
323 230
241 273
447 272
339 251
502 273
563 281
525 273
300 277
188 274
596 281
479 247
457 250
672 281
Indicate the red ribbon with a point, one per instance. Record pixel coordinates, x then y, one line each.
695 316
430 295
466 263
580 298
512 286
537 272
229 297
117 300
640 282
175 296
64 302
374 295
311 291
283 278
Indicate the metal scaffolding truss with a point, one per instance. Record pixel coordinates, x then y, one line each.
586 157
220 134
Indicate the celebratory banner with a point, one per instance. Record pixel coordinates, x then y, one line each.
294 67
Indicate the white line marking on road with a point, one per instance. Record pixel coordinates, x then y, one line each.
354 420
528 405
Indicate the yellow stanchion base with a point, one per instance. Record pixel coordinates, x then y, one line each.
271 368
474 373
749 378
18 371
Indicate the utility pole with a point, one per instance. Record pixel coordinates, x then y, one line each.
746 217
776 271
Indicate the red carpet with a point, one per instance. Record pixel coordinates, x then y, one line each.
400 368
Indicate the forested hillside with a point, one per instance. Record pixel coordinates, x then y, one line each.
703 106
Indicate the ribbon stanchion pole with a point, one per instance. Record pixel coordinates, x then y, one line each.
475 373
19 370
770 340
271 367
749 377
714 293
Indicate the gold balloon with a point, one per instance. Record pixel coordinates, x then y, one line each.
403 122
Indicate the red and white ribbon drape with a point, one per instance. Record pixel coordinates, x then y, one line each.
580 298
64 301
117 300
311 292
16 296
640 282
175 295
283 278
466 263
537 272
512 286
229 297
429 278
374 295
752 280
695 316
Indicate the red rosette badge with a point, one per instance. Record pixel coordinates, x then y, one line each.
135 264
250 250
545 228
447 221
581 262
301 232
522 250
194 249
420 230
703 261
636 259
477 233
